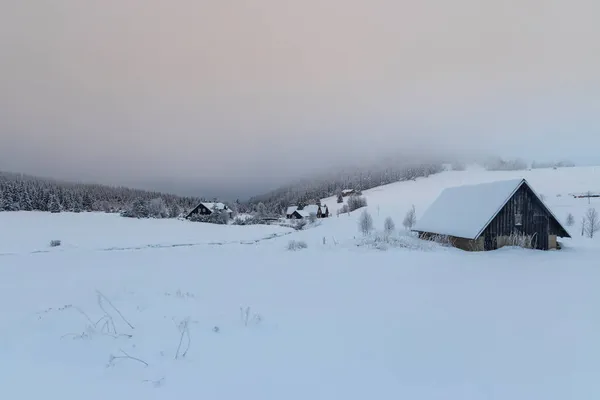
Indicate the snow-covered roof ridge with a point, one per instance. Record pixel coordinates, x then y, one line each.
465 211
291 209
212 206
311 208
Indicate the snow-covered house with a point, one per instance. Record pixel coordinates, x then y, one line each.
492 215
290 211
348 192
299 214
205 208
319 211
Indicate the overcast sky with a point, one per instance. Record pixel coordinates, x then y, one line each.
253 92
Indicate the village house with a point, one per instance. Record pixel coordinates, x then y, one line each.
348 192
290 211
489 216
319 211
205 208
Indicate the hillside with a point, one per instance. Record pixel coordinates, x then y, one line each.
159 309
394 200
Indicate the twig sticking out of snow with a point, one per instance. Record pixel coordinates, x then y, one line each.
245 315
157 383
185 332
100 297
125 356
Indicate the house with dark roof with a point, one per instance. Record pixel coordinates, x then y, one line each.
489 216
205 208
319 211
290 211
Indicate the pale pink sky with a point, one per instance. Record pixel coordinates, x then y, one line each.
137 89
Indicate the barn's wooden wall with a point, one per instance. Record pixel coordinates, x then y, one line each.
529 206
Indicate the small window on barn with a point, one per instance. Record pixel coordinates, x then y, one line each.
519 219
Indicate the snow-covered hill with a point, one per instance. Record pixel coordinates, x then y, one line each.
171 309
396 199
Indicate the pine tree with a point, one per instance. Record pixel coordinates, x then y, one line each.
54 205
87 202
26 203
77 204
140 209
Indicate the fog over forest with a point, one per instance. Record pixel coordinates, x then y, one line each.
232 99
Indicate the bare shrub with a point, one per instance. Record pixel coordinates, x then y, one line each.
355 202
344 209
570 220
365 223
300 224
294 245
410 219
389 226
312 217
55 243
443 240
592 223
517 239
408 242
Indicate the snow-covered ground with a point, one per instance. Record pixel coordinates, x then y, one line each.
250 319
23 232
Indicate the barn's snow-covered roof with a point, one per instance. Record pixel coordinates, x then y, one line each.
303 213
465 211
290 210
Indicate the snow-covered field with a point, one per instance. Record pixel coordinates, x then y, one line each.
182 317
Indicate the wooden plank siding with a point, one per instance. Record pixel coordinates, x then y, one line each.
536 221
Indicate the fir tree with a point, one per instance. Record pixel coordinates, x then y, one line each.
54 205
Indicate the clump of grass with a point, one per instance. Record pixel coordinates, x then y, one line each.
294 245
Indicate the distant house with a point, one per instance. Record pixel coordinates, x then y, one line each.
205 208
490 215
348 192
319 211
299 214
290 211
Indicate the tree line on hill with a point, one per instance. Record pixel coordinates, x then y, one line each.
30 193
19 192
310 191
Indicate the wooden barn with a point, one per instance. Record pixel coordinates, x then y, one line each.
492 215
205 208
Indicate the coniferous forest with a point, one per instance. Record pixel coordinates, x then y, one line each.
19 192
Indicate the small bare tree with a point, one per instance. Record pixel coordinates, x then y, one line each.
592 222
312 217
410 219
388 226
365 223
570 220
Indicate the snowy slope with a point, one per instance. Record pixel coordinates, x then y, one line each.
396 199
333 321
